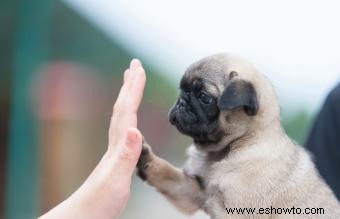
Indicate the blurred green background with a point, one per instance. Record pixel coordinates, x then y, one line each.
60 75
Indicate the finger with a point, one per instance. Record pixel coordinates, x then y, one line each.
134 66
126 74
135 63
126 106
135 95
129 153
126 86
131 94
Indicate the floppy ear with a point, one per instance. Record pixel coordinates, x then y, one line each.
239 94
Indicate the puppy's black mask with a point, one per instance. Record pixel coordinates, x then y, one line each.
196 111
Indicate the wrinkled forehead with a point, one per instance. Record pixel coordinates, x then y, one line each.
216 71
209 76
212 83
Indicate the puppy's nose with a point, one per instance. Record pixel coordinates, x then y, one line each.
173 119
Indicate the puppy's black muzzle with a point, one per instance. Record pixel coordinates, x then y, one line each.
182 116
187 121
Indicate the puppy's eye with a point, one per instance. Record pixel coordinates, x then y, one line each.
205 99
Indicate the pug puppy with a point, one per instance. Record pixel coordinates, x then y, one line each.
240 157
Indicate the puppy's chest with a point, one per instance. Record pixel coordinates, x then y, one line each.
212 201
219 184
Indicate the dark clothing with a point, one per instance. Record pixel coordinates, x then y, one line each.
324 141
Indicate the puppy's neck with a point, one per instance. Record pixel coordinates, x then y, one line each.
218 151
231 144
218 155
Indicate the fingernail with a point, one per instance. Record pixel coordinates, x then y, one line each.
135 63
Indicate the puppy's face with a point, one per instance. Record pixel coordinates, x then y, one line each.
217 102
196 112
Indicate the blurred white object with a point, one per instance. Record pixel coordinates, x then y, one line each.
295 43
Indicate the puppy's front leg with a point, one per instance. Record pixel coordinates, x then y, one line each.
180 189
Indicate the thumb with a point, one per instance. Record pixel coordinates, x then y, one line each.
130 152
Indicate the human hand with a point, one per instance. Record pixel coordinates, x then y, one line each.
105 192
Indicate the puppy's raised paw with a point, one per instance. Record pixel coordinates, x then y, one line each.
144 160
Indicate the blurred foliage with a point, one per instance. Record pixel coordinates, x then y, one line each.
73 38
297 125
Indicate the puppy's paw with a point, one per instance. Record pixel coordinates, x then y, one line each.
144 160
